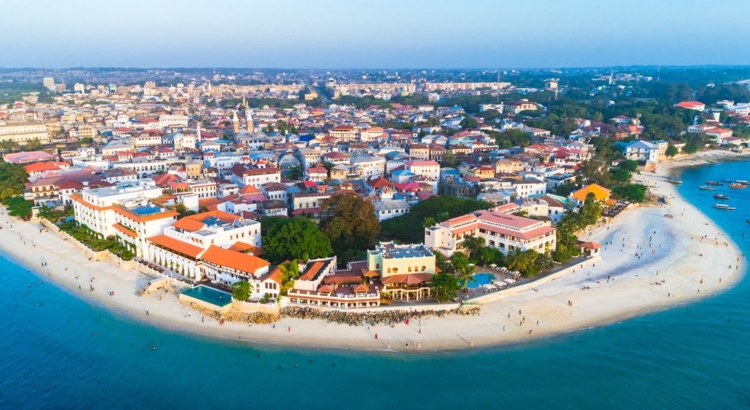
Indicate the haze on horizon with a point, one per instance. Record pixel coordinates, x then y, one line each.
383 34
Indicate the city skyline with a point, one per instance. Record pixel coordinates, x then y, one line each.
340 35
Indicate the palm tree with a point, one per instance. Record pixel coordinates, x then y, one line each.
472 244
517 261
466 276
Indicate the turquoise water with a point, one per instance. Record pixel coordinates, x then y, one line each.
673 359
209 295
481 279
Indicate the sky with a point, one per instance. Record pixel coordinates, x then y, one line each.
363 34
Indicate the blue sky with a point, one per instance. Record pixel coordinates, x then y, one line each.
372 34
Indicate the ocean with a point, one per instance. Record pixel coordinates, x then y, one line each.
67 353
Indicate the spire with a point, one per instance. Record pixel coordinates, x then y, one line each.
249 121
235 123
198 131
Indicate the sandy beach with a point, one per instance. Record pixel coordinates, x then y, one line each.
670 250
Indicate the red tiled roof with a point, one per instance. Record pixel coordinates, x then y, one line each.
234 260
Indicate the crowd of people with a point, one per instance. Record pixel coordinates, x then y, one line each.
389 317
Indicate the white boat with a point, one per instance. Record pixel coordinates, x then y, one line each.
706 188
724 207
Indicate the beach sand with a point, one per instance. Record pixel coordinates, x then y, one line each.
633 292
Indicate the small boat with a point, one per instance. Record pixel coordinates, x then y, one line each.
727 180
721 196
741 182
737 186
706 188
724 207
673 181
715 183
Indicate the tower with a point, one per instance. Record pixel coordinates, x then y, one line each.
248 118
235 124
198 131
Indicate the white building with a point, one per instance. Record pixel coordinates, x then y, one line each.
641 151
123 211
502 231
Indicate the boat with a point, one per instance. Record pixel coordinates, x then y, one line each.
724 207
721 196
714 183
727 180
673 181
741 182
737 186
706 188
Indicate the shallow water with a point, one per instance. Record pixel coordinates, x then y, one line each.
51 358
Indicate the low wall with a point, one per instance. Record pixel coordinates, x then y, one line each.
253 307
156 284
380 309
93 255
204 305
491 297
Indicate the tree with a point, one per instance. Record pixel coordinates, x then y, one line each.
32 145
459 262
241 290
183 211
353 223
295 238
449 159
468 122
472 244
517 261
466 276
489 255
444 287
630 192
671 151
295 172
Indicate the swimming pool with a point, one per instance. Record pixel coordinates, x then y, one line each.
209 295
481 279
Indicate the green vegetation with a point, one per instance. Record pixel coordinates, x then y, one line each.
463 270
671 151
293 238
444 287
567 242
510 138
54 215
353 226
290 270
409 228
241 290
18 206
183 211
95 242
12 178
528 263
630 192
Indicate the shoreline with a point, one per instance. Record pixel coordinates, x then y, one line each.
631 294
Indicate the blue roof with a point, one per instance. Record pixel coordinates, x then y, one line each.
307 138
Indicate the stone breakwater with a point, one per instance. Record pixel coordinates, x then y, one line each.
390 317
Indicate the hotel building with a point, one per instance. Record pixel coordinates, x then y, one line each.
502 231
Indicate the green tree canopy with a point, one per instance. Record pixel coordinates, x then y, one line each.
241 290
630 192
444 287
295 238
353 224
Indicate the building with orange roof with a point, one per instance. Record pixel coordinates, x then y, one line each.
600 193
124 211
